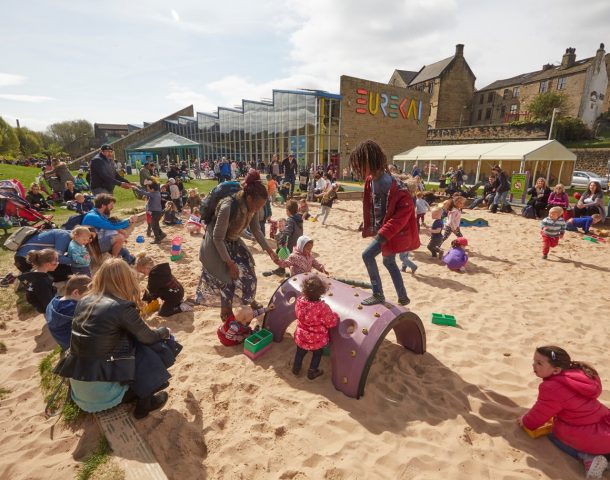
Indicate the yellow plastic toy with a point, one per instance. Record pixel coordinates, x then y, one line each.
151 307
540 431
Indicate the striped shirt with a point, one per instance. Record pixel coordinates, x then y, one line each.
553 228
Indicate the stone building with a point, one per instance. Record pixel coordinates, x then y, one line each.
450 83
584 82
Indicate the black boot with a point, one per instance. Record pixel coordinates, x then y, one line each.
148 404
494 209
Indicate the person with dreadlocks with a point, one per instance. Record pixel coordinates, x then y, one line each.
389 217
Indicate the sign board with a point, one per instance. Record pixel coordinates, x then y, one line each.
518 185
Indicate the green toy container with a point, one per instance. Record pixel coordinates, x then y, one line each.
257 341
440 319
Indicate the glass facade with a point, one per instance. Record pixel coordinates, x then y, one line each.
306 123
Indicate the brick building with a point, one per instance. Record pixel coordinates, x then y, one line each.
450 83
584 82
109 132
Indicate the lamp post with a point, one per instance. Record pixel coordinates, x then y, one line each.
555 110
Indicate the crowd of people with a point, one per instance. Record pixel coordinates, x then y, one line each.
112 356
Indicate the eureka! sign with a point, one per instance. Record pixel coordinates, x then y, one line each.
389 105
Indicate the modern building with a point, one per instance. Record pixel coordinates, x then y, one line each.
450 83
583 82
318 127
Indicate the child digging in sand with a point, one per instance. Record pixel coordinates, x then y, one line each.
162 284
569 395
60 310
236 327
573 224
314 319
552 229
39 288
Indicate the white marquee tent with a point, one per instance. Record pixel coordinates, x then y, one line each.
541 158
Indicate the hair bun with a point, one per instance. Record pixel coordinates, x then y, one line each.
252 177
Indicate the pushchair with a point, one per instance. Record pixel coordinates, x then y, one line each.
15 209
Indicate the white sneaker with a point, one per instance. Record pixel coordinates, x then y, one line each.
186 307
595 467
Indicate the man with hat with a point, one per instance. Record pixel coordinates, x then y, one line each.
104 176
290 168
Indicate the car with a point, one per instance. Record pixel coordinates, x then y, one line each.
582 178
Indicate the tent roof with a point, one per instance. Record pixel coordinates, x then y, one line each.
531 150
167 140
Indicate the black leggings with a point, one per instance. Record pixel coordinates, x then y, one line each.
315 359
588 210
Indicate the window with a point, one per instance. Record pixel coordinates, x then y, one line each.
430 87
479 114
490 97
544 86
561 83
481 99
513 109
502 111
506 93
516 92
488 114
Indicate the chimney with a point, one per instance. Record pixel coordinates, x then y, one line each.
568 58
547 66
459 50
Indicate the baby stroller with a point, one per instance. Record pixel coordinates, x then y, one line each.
15 209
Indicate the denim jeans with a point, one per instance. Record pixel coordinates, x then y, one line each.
501 196
563 447
406 263
369 256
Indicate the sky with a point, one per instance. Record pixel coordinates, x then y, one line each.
134 61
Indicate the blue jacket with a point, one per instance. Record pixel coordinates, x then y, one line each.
225 169
59 316
95 219
103 173
57 239
582 222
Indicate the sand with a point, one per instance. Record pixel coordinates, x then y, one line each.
448 414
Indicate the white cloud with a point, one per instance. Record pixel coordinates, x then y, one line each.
175 15
7 79
24 98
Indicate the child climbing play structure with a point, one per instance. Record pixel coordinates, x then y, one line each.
361 330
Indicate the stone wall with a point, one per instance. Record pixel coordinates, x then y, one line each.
391 130
592 159
485 133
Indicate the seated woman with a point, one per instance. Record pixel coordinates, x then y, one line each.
489 192
56 239
539 199
112 351
36 199
559 198
590 202
69 192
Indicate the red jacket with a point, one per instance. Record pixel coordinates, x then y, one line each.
581 421
399 226
313 321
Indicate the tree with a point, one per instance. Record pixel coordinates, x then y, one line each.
541 107
29 141
73 136
9 143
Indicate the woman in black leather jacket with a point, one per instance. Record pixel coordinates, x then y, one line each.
113 350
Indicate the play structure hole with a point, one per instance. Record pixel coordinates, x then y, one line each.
347 328
292 299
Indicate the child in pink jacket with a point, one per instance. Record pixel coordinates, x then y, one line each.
301 260
568 393
314 319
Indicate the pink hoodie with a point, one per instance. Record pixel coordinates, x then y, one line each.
581 421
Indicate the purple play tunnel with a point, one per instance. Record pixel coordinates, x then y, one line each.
354 342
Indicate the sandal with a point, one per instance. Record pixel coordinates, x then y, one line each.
374 299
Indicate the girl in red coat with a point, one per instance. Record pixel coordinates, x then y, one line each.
389 217
569 392
314 319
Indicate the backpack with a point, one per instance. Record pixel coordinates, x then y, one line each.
210 202
528 212
19 237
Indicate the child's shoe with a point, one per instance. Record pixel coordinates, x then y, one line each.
186 307
296 370
312 374
544 257
404 301
374 299
595 466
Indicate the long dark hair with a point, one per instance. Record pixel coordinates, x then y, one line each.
559 358
367 156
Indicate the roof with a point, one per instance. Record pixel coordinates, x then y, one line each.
531 150
406 75
431 71
167 140
111 126
538 75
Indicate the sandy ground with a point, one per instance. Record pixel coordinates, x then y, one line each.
448 414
